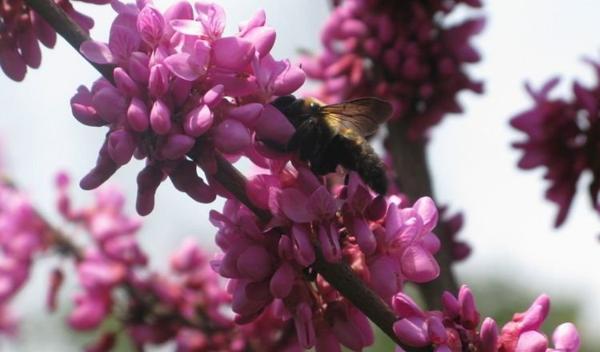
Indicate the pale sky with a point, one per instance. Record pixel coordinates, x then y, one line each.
508 222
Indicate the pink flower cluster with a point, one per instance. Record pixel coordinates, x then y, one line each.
182 93
186 306
269 265
399 51
455 328
22 235
562 136
22 30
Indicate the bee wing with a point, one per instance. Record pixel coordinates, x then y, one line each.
362 115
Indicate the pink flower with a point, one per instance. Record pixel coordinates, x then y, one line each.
559 137
182 91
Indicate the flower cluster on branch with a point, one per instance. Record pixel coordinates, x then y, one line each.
562 135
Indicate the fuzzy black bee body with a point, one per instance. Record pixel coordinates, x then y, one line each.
330 135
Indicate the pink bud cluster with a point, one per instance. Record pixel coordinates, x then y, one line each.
399 51
22 30
269 265
562 136
22 235
181 91
455 328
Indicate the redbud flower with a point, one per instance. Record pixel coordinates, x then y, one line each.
455 328
182 91
22 30
399 51
561 136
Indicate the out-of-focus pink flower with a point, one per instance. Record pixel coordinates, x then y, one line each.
400 51
22 30
455 328
181 89
561 136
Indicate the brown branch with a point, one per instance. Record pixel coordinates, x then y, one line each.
339 275
414 179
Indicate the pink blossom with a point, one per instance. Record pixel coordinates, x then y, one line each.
179 86
559 137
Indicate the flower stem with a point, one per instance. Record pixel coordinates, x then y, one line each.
414 179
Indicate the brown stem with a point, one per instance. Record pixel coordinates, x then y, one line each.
339 275
409 157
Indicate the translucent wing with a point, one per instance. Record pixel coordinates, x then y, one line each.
362 115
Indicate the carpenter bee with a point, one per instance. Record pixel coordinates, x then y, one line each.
330 135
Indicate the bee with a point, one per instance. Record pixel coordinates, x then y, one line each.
330 135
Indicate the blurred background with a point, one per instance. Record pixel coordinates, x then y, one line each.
516 252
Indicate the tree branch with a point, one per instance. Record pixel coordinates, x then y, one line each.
339 275
414 179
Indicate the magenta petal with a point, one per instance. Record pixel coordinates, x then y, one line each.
305 328
532 341
12 64
198 121
176 146
110 104
125 83
263 39
254 263
138 67
566 338
293 203
213 96
158 81
385 278
412 332
96 52
232 137
150 25
187 27
123 42
180 66
419 265
427 210
179 10
121 146
322 203
273 126
304 252
330 243
160 117
468 308
364 236
232 53
137 115
436 330
257 20
83 110
489 335
405 307
247 114
289 80
282 281
30 48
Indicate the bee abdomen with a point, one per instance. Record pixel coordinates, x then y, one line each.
358 155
